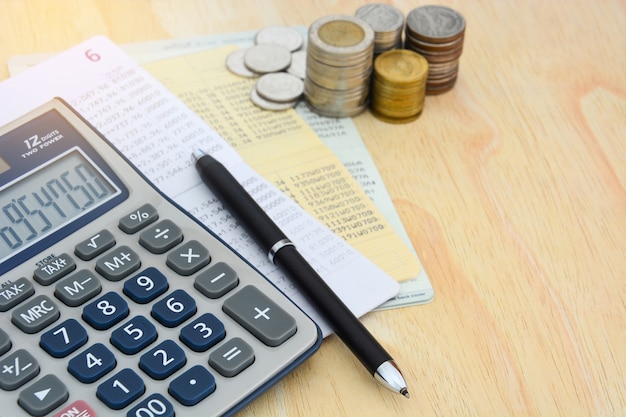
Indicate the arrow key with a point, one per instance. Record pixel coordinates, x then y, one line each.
43 396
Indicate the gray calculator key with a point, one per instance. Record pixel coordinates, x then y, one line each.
94 245
5 343
14 292
78 288
138 219
35 314
232 357
217 280
161 237
118 264
262 317
188 258
55 269
17 369
43 396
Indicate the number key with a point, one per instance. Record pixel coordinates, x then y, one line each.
92 364
134 335
106 311
202 333
163 360
146 286
174 309
121 389
154 405
63 339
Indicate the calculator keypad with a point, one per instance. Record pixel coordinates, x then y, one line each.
112 259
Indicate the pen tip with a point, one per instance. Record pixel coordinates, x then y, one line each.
198 153
405 392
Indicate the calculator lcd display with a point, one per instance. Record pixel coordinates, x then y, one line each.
46 199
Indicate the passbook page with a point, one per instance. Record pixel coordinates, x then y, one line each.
286 151
157 132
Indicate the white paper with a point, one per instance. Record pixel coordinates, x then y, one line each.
157 132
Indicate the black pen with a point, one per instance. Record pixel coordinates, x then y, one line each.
283 253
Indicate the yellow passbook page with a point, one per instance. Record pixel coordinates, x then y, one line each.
286 151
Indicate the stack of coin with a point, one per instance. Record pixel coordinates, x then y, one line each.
279 63
387 22
399 85
339 65
437 33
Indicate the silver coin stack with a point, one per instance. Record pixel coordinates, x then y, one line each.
437 33
339 65
387 22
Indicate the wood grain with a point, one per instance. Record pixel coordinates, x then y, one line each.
511 187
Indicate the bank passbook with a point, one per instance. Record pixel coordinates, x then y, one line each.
114 300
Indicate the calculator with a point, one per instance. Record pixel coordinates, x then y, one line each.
114 300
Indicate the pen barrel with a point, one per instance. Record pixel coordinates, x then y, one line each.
263 230
345 324
237 200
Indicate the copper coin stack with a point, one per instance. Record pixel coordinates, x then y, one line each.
437 33
399 85
339 66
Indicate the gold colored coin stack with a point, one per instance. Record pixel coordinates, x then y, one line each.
437 33
339 65
399 85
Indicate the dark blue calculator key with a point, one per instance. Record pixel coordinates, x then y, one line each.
146 286
94 245
63 339
14 292
192 386
174 309
163 360
154 405
92 364
202 333
118 264
121 389
106 311
134 335
138 219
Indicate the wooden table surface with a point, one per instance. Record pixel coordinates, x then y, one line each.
512 187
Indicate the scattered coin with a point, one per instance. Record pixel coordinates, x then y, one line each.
298 64
280 86
387 22
266 58
280 35
269 105
235 64
437 33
